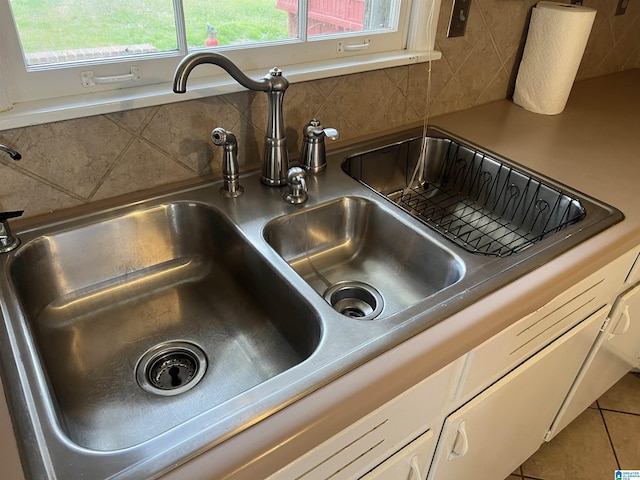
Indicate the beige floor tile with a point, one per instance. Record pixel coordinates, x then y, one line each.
514 477
581 451
624 430
624 396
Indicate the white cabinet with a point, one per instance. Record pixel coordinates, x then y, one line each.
410 463
494 433
615 353
415 414
502 353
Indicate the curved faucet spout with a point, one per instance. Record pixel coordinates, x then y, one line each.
276 156
189 62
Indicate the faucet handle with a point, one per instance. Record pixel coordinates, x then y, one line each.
7 215
297 181
313 155
8 241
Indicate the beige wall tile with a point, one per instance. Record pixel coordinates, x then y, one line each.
75 154
302 102
8 137
136 119
20 191
508 29
451 99
497 89
417 83
480 68
335 118
182 130
143 166
457 49
621 24
599 45
370 101
628 43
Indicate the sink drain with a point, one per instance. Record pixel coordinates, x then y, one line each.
171 368
355 300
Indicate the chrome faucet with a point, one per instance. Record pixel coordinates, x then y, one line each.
12 153
276 157
9 241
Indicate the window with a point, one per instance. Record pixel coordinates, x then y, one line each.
75 49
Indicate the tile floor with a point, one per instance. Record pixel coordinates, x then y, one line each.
604 438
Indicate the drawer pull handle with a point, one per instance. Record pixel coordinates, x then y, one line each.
461 442
624 316
415 468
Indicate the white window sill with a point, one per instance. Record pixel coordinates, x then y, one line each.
96 103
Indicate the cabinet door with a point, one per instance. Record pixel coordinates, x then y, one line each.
623 339
615 353
502 353
410 463
495 432
359 448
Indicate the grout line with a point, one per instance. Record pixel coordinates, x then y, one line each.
618 411
34 176
111 168
615 455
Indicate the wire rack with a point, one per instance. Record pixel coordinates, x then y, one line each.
485 205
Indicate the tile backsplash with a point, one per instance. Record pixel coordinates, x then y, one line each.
78 161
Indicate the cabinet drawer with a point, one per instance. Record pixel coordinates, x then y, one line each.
503 352
365 444
412 462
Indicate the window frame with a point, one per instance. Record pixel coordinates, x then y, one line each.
45 94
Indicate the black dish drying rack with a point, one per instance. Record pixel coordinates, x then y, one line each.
479 202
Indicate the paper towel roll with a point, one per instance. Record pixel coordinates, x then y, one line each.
556 40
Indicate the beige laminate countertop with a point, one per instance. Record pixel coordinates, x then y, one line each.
593 146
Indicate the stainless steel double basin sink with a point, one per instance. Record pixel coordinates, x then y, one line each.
140 335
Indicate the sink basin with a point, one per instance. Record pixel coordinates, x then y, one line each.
484 204
146 320
362 259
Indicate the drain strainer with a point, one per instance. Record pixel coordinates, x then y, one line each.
355 299
171 368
